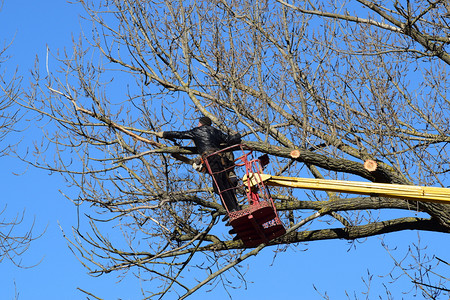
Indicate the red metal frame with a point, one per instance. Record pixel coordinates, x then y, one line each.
259 221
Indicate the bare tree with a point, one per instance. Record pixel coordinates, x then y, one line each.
9 89
340 84
14 240
425 271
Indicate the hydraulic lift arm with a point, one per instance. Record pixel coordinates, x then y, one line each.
407 192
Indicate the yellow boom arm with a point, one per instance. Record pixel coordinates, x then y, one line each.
407 192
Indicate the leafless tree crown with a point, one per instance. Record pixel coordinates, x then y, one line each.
340 84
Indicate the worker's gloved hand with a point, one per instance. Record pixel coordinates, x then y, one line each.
197 165
158 134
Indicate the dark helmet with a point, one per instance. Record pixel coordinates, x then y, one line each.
205 121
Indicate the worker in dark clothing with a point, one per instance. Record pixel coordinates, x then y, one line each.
208 140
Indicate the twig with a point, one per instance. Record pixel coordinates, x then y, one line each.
89 293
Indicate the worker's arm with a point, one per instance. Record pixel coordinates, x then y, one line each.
177 134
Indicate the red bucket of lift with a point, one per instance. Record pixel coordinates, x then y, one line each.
259 221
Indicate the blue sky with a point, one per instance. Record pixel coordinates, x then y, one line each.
332 266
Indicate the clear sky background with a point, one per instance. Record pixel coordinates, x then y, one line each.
333 267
